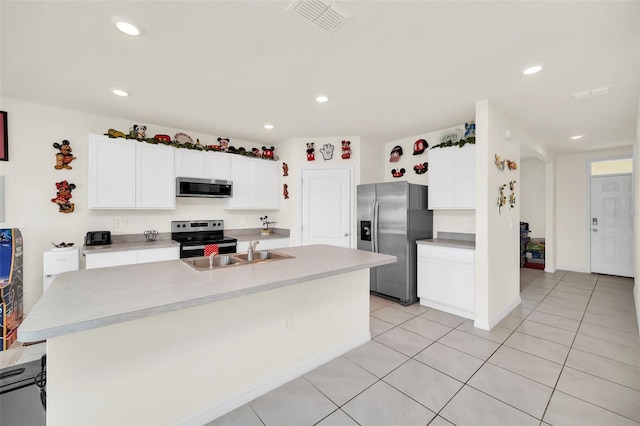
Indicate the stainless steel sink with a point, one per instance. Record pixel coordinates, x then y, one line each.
220 261
262 256
235 259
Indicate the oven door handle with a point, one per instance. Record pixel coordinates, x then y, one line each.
185 248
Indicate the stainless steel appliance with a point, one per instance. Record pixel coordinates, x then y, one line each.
97 238
203 188
23 394
195 235
391 217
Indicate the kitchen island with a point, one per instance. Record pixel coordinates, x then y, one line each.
162 343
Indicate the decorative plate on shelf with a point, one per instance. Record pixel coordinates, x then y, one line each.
182 138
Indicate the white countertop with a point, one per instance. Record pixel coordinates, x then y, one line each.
92 298
446 242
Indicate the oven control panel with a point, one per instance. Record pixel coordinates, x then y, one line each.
196 225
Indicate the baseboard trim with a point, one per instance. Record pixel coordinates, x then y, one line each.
260 389
572 269
445 308
488 325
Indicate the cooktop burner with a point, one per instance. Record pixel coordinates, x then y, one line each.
198 231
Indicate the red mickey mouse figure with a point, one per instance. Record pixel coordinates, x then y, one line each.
64 157
346 150
63 196
398 173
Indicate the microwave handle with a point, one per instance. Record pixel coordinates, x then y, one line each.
202 247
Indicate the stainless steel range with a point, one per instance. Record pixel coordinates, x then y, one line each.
195 235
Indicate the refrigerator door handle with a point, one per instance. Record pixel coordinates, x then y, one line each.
374 226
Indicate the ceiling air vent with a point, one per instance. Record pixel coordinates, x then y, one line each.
325 15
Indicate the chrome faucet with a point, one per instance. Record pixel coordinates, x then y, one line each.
251 249
211 256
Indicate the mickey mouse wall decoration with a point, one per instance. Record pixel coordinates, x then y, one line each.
397 173
346 150
311 156
421 168
63 196
267 152
64 157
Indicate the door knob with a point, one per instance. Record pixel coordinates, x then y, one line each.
594 230
346 234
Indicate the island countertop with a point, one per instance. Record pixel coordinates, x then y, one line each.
92 298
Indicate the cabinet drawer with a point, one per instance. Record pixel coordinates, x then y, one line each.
115 258
158 254
446 253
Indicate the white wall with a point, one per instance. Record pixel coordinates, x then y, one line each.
572 209
295 151
443 220
30 184
372 158
497 271
532 196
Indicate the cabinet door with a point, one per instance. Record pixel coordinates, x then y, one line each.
114 258
458 287
267 190
431 279
465 177
441 178
217 165
243 175
189 163
158 254
112 173
155 182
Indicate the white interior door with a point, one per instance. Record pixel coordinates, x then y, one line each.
326 212
612 225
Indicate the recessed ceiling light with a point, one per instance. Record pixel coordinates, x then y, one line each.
532 69
268 126
120 92
322 99
576 137
126 26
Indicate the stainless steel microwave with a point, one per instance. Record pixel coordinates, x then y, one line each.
204 188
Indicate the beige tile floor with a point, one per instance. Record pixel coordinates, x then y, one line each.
569 355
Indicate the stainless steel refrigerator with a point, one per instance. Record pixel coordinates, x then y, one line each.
391 217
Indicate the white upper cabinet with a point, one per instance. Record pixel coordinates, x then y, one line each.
155 183
202 164
127 174
452 178
112 173
255 184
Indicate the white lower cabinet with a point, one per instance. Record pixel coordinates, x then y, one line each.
267 244
446 279
130 257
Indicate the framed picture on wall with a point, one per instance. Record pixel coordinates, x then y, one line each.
4 137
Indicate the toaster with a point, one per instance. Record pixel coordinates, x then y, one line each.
97 238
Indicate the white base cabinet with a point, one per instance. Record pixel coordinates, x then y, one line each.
446 279
127 174
130 257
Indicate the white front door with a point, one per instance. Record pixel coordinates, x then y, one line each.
612 225
326 212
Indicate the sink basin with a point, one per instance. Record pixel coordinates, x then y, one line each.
262 256
202 263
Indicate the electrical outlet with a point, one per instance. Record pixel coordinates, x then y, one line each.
287 323
123 222
113 223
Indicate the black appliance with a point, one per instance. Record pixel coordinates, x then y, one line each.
203 188
23 394
195 235
97 238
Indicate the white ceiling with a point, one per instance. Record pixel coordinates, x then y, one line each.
395 69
